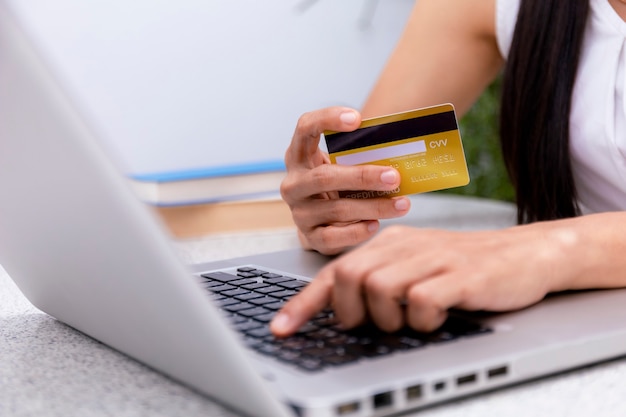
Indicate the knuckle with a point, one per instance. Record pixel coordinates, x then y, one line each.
347 272
287 187
362 177
308 125
377 285
326 241
304 122
418 297
354 234
339 210
424 314
321 179
383 208
394 231
301 217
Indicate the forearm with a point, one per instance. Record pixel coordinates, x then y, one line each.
584 252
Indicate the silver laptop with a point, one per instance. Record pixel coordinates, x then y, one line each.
84 250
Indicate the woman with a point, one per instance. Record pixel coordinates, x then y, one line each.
563 133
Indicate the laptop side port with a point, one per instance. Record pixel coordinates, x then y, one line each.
439 386
499 371
414 392
464 380
384 399
348 408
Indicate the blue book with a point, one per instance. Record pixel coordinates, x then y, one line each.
207 185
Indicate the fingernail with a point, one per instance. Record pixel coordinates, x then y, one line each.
373 226
389 177
348 117
281 323
401 204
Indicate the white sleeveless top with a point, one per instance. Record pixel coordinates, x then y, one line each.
598 116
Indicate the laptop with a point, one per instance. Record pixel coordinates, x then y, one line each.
83 249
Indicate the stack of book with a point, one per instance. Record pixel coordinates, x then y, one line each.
218 199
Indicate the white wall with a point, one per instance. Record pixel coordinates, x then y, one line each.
177 85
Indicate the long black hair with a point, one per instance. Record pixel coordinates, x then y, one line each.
536 100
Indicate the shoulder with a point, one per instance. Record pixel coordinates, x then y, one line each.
460 18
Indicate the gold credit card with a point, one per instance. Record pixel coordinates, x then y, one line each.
424 145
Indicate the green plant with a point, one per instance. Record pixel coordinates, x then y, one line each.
479 132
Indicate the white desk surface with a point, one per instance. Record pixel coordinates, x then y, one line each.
48 369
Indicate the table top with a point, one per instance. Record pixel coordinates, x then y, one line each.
49 369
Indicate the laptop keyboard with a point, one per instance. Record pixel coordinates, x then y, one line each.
250 297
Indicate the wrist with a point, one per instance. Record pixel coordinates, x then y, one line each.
563 253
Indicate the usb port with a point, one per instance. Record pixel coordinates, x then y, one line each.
466 379
384 399
496 372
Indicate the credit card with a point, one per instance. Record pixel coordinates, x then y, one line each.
424 145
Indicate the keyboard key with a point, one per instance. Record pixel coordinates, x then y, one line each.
216 296
247 325
239 307
259 332
276 305
248 295
277 280
244 281
235 292
270 289
263 300
226 302
255 285
255 311
246 275
267 348
221 288
284 294
210 283
266 317
220 276
271 275
292 284
296 343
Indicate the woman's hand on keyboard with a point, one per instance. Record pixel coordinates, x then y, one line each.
408 276
325 222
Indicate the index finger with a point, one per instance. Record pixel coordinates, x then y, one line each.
311 125
311 300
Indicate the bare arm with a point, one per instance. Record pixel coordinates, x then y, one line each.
447 53
388 281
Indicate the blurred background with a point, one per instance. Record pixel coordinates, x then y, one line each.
479 132
197 101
